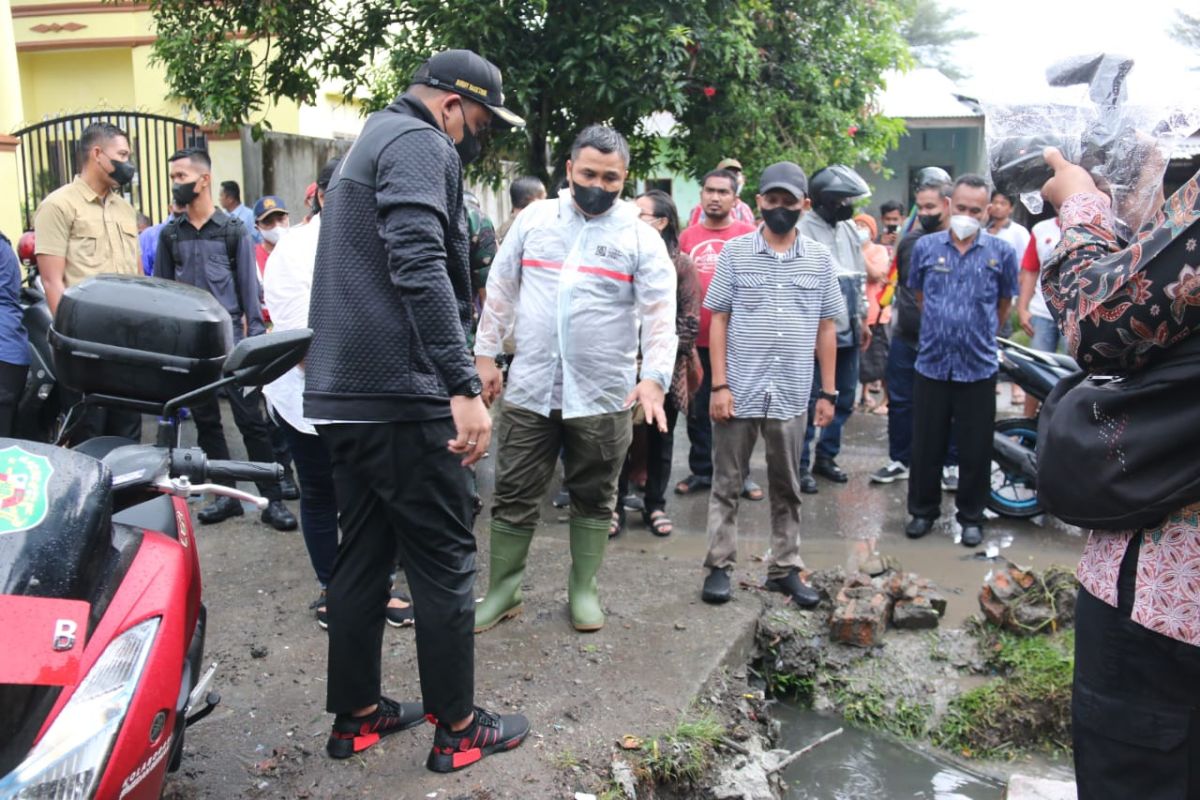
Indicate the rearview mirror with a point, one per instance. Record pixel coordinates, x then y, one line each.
258 360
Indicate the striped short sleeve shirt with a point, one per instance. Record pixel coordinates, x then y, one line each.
774 301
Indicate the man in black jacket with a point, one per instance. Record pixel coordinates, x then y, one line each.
395 396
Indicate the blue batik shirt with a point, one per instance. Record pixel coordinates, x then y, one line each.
961 293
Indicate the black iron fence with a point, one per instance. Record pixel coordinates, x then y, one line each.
47 157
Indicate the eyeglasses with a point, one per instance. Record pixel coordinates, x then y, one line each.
647 217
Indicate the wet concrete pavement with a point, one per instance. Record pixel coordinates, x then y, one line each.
582 692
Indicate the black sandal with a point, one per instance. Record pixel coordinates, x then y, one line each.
659 523
617 525
692 484
400 617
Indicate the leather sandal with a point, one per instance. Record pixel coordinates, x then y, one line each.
693 484
659 523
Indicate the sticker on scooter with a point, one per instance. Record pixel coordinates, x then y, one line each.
139 774
24 479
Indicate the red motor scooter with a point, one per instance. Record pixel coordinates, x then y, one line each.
101 666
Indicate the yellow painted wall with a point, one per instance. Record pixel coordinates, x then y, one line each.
150 85
54 83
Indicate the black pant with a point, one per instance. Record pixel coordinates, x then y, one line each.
970 410
318 501
659 449
1136 703
12 385
846 383
101 421
398 485
250 419
280 444
699 424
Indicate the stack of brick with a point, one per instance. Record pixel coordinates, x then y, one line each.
1021 601
864 606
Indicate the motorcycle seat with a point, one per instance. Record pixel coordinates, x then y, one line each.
157 514
101 446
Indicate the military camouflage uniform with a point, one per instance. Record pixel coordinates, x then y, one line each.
482 234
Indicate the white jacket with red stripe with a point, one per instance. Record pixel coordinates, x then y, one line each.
571 292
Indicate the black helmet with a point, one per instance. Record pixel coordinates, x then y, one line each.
836 182
931 177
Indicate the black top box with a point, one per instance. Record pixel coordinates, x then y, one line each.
139 338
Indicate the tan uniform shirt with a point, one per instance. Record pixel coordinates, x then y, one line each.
94 234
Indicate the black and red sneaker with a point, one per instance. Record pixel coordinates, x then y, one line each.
354 734
488 733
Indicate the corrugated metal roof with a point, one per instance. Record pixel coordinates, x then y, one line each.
925 94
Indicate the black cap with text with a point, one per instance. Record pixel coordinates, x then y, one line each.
470 75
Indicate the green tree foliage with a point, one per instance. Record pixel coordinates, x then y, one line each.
929 30
759 79
805 94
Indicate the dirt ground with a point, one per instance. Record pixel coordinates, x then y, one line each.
581 692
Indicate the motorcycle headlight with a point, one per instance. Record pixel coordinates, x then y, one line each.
68 761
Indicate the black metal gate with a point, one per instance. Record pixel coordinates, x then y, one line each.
48 157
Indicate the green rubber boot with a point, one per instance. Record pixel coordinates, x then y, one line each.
589 537
510 545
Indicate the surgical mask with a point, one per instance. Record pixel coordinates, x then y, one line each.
594 200
122 171
832 213
964 227
864 235
469 148
930 222
781 220
184 193
271 235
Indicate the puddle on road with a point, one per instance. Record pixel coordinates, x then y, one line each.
843 526
858 764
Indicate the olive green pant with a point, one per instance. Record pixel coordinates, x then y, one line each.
528 444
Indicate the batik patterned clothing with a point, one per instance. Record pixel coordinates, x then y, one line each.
1121 309
687 325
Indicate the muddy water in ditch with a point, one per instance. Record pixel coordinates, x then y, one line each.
858 765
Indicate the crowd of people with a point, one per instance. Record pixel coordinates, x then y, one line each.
581 330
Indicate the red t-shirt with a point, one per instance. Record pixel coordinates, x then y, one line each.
704 246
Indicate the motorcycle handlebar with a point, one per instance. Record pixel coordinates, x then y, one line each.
253 471
191 463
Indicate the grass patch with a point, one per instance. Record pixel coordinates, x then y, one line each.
1028 708
566 760
866 706
788 685
680 755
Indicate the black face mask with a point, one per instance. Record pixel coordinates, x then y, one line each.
122 171
930 222
834 214
593 199
470 147
184 193
781 220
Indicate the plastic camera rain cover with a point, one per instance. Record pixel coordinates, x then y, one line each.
1092 121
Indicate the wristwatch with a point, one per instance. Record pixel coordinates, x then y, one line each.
472 388
830 396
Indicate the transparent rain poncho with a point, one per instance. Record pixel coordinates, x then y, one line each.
570 295
1094 123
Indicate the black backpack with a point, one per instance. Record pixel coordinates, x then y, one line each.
234 231
1119 453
